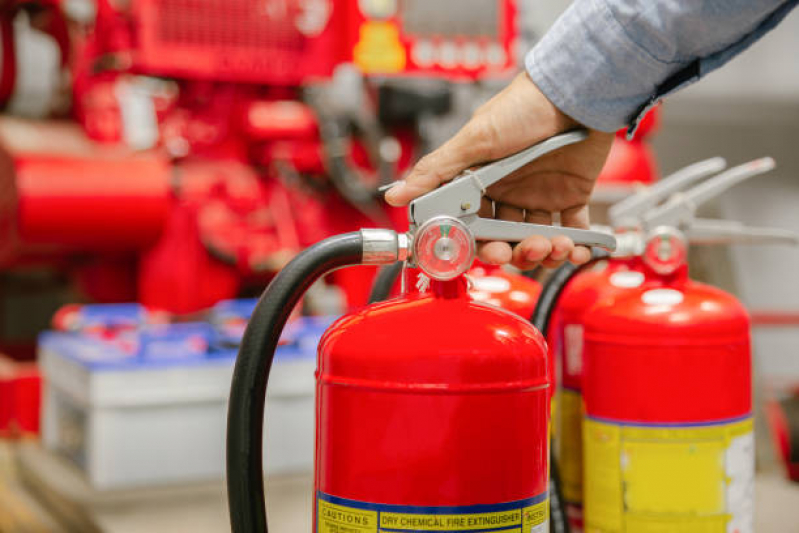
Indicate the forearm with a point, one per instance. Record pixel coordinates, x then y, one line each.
605 61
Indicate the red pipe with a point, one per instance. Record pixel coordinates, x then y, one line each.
91 204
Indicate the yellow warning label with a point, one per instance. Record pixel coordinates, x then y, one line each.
337 515
340 519
536 518
642 479
451 522
570 445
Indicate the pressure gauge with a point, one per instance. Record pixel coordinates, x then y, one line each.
444 248
378 9
666 250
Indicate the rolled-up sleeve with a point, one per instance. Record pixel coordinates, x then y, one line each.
605 62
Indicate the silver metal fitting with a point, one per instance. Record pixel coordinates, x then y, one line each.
384 246
629 243
667 233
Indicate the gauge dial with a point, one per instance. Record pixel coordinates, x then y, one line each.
444 248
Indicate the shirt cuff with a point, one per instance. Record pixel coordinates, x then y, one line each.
592 70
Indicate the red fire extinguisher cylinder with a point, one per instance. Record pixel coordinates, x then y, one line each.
667 433
432 400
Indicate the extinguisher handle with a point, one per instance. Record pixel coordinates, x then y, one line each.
704 231
629 210
680 209
461 198
502 230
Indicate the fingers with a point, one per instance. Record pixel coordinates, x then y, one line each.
562 248
509 212
535 250
577 217
580 255
495 253
531 252
470 146
539 216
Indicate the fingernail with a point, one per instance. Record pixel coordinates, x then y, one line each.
395 187
387 187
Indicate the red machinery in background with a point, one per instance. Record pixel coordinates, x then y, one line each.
237 153
20 389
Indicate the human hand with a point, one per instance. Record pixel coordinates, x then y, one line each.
559 183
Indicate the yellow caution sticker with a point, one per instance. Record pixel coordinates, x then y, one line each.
339 515
570 445
664 478
341 519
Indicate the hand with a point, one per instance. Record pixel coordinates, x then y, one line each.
558 183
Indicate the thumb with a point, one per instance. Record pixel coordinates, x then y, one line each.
470 146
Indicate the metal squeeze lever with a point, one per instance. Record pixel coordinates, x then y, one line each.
705 231
630 210
679 211
460 199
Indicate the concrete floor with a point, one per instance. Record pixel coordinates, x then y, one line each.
203 508
290 510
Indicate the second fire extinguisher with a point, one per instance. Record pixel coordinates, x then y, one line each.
667 433
624 275
569 295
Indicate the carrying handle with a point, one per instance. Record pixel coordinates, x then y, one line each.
504 230
680 209
491 173
705 231
461 198
630 209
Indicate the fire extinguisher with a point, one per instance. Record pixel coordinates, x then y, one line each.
432 409
576 292
568 295
667 430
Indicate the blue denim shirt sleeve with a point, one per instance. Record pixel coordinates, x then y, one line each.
606 62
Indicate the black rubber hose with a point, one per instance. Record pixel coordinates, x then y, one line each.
534 273
553 288
542 315
385 279
245 475
558 521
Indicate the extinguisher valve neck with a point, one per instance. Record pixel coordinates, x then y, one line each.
383 246
629 243
666 250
